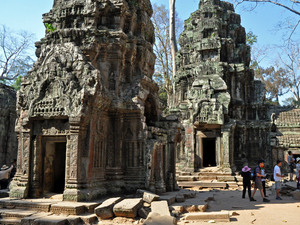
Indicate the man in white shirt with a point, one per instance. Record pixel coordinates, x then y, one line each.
277 178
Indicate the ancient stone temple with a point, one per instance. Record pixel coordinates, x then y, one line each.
8 138
287 134
89 119
224 118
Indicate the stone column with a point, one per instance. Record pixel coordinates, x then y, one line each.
227 146
20 186
189 147
72 189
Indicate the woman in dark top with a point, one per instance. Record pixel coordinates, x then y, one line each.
246 174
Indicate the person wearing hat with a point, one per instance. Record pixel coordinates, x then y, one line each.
4 175
258 182
277 178
246 174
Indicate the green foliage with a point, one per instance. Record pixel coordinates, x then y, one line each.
17 84
251 38
49 27
163 97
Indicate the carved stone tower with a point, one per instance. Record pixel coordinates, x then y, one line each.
89 117
220 104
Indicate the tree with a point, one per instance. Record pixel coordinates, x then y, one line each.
273 77
162 48
290 59
291 5
14 60
172 35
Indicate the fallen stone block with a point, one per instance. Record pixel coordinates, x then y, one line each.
189 194
171 199
128 207
105 210
73 220
206 216
30 219
179 198
160 207
89 219
176 209
148 196
195 208
157 219
51 220
143 213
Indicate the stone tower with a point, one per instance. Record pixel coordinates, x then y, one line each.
89 116
220 103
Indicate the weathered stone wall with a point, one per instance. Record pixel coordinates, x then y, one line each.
216 94
8 137
91 90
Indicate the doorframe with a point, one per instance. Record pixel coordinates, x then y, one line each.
203 134
44 141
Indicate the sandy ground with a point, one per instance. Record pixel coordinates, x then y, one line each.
286 211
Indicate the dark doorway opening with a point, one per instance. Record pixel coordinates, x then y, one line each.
54 167
209 152
59 167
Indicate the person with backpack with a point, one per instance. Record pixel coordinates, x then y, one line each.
246 174
258 182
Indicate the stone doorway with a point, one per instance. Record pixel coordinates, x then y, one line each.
209 152
54 164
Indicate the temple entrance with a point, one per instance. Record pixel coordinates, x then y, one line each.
54 164
209 152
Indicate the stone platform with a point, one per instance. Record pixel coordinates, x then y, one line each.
54 211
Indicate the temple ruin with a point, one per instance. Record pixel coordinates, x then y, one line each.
287 122
224 118
8 115
89 121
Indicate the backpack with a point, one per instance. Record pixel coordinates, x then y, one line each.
253 174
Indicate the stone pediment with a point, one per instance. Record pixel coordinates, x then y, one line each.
64 78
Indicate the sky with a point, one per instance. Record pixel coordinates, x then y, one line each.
262 21
27 15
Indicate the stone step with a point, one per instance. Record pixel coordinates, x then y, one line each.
226 178
10 221
51 220
15 213
74 208
203 184
41 206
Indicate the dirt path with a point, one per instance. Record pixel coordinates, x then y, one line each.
276 212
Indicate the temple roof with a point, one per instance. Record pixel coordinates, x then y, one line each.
289 118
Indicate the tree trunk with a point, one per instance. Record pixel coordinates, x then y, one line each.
172 37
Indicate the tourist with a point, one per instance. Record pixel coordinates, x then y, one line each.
277 178
258 182
263 180
291 162
297 173
4 175
246 174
